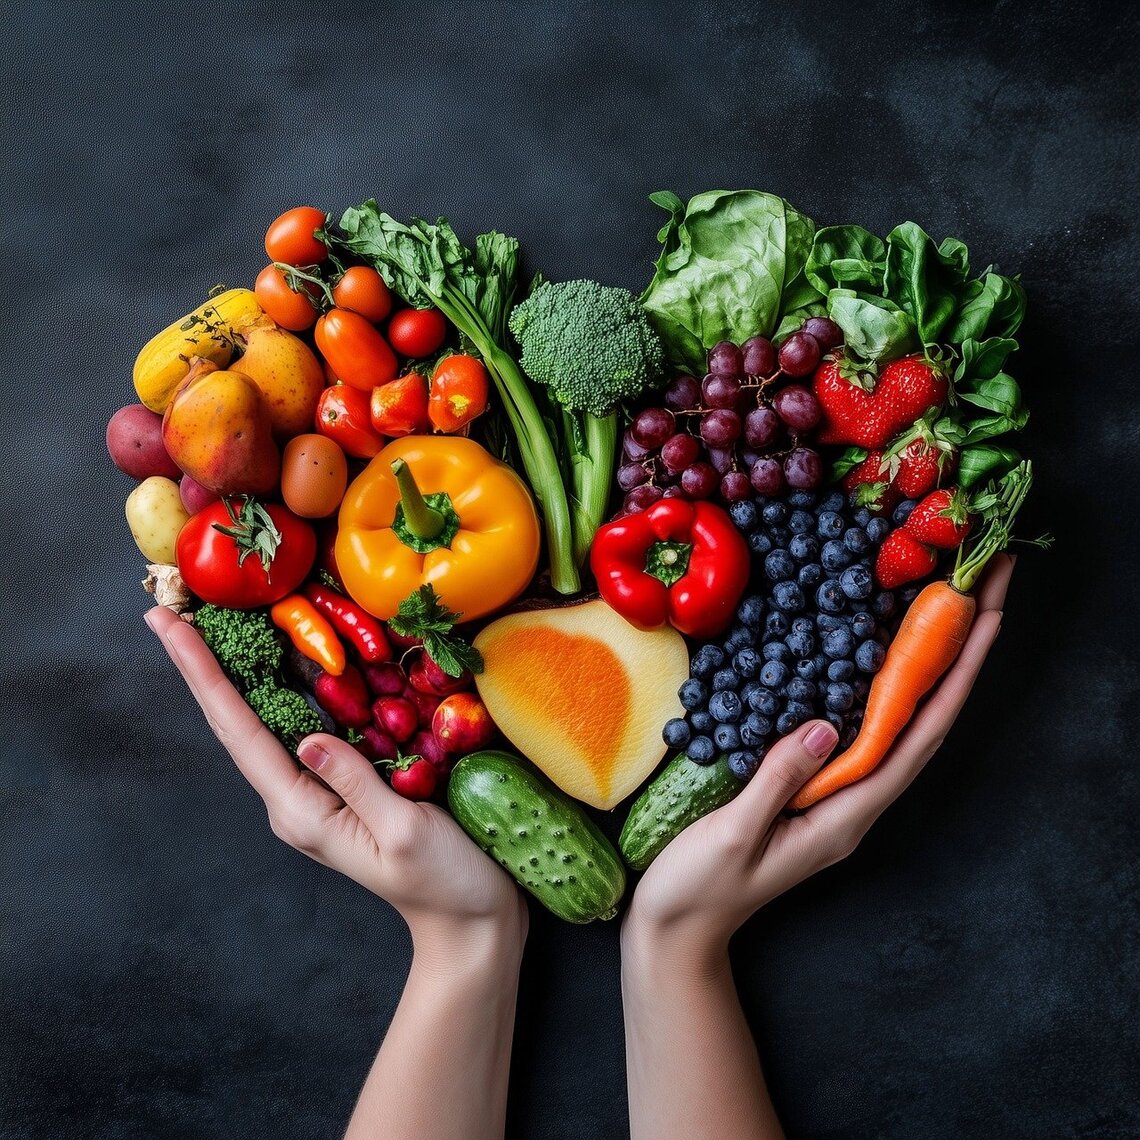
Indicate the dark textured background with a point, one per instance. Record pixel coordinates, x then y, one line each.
167 969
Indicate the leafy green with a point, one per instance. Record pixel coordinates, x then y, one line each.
847 257
245 642
989 306
924 279
985 461
421 614
873 328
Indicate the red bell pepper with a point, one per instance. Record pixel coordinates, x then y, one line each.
676 561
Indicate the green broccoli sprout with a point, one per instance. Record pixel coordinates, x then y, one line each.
284 712
245 642
592 347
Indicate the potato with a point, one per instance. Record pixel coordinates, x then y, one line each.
155 515
134 439
194 496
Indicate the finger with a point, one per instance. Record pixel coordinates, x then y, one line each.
789 765
353 778
992 589
258 754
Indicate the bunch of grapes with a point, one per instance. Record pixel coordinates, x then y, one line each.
742 431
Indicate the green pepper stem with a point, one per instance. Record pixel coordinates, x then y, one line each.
423 521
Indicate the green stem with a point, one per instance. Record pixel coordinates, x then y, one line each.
995 535
293 275
423 521
592 474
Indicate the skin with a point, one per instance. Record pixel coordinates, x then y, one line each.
467 919
692 1064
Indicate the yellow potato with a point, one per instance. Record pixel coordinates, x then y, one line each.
155 515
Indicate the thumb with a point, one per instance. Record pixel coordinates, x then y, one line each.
347 772
789 765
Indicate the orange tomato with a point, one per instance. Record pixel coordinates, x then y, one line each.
290 237
285 307
459 390
355 350
362 290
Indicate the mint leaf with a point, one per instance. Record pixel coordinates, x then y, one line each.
421 614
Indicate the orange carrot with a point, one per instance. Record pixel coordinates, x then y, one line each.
928 641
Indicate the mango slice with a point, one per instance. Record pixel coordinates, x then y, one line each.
583 695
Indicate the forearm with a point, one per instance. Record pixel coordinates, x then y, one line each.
692 1065
442 1069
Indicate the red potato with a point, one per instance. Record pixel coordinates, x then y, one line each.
462 724
134 440
426 676
194 496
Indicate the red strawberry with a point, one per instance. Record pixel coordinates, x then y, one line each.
920 459
902 558
942 519
869 484
855 412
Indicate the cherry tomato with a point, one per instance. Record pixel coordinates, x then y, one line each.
355 350
212 565
417 332
290 237
290 310
415 782
362 290
400 407
459 390
342 415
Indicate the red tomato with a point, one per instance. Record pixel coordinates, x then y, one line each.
354 349
228 570
400 407
417 332
343 415
290 237
459 390
290 310
363 290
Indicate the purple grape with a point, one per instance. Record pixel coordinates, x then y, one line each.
720 427
721 458
678 451
632 449
724 357
761 426
799 354
735 486
759 356
699 481
825 330
767 476
797 407
632 475
641 497
803 469
748 457
682 394
720 390
673 493
653 426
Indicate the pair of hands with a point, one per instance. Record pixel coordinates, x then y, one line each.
335 808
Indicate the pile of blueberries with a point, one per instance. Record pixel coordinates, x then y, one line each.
807 645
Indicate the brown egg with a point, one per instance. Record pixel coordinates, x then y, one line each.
314 474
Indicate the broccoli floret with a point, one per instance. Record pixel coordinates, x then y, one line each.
245 642
284 712
592 345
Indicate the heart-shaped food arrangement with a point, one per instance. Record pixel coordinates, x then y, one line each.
521 543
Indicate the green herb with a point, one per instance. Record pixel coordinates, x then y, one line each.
423 615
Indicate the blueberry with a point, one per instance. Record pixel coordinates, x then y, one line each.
824 622
751 612
870 656
842 670
693 694
884 604
863 625
747 689
836 501
857 582
746 663
738 639
777 624
743 763
706 661
829 597
803 625
744 514
810 576
800 690
764 702
902 512
757 724
803 547
830 524
837 644
725 679
801 710
862 687
821 662
808 668
786 723
726 707
701 750
701 721
788 597
774 674
749 738
774 513
759 542
840 697
779 566
856 540
862 517
775 651
847 736
801 644
908 594
800 522
780 535
836 720
800 499
726 737
878 529
676 733
834 556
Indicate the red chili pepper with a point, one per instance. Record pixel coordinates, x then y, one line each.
676 561
354 624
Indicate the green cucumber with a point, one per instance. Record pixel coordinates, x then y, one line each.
679 796
538 834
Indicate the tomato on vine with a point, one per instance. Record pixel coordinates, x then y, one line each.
290 237
291 309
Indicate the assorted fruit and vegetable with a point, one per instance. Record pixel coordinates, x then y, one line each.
519 545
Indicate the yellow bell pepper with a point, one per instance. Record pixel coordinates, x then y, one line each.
439 510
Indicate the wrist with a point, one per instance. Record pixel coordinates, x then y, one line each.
469 947
683 949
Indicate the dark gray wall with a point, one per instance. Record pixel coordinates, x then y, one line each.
167 969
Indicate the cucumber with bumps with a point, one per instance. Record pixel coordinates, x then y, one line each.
539 835
679 796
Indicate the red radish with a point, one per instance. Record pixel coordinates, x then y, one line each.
396 716
425 744
426 676
344 698
462 723
400 641
377 745
386 679
193 495
426 704
414 778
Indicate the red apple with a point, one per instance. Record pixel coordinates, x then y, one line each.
462 724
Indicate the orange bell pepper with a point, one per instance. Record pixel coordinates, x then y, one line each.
438 510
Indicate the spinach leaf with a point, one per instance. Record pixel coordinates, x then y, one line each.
846 257
985 461
873 327
991 305
981 360
924 279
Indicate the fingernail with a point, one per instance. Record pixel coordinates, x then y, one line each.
312 755
821 740
149 617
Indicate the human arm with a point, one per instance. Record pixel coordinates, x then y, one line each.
693 1069
467 919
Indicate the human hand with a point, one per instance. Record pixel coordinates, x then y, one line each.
336 809
726 866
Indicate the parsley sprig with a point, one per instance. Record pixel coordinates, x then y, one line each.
422 614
